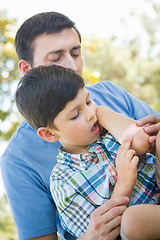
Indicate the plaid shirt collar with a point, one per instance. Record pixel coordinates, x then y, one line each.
84 161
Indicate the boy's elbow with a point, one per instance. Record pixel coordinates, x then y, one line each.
141 142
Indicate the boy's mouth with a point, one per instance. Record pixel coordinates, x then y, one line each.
95 128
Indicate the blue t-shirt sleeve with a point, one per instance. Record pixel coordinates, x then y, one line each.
119 100
137 108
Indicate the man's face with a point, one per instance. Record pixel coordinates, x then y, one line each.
63 49
76 124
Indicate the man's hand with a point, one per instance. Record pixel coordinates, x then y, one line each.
52 236
105 220
151 126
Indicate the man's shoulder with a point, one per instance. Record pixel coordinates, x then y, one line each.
108 94
26 144
23 128
103 83
20 136
99 84
105 86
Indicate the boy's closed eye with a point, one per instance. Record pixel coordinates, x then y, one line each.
88 101
75 116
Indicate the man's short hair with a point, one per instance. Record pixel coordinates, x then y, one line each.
46 22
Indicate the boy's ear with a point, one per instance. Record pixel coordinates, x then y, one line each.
24 66
47 134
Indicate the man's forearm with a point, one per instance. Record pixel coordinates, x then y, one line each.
52 236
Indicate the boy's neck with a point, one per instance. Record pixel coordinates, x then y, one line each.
76 149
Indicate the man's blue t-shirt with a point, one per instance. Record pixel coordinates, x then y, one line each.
27 163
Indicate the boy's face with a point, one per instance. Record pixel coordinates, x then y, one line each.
63 49
76 124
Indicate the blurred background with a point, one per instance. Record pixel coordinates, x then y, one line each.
121 43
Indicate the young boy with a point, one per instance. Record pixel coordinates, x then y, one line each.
55 102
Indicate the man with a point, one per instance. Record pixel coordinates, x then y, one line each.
45 39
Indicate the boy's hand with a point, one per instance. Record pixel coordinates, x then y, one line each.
126 164
151 126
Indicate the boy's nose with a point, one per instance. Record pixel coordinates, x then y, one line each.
90 114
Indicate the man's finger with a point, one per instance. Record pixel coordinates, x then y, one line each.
111 203
114 234
152 139
114 213
148 119
152 128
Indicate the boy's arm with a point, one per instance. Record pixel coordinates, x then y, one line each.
114 122
120 127
126 161
141 216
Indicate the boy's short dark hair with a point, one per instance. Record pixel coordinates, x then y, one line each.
46 22
44 92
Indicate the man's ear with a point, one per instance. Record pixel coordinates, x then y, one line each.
24 66
47 134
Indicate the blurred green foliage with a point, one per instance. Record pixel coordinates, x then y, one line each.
9 74
7 226
105 59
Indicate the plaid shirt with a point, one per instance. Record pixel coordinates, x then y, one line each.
82 182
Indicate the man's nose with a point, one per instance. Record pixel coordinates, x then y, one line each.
69 62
